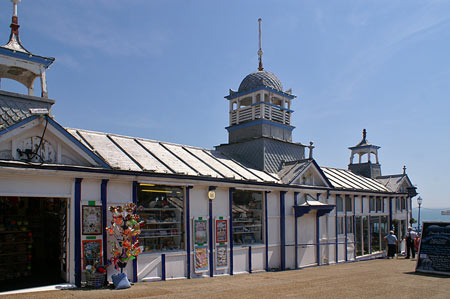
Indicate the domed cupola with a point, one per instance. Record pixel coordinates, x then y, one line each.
260 114
260 79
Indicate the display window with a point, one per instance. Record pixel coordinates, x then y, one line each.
247 217
162 210
348 203
339 203
350 224
340 225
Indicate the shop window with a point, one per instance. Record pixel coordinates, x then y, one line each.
350 224
339 203
340 225
162 210
365 234
359 235
371 204
379 204
363 199
384 228
247 217
375 233
348 203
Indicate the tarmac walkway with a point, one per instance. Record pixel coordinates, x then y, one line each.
368 279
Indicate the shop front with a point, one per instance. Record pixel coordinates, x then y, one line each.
33 241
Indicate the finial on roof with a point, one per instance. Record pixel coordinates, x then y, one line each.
311 147
260 51
364 134
15 20
404 169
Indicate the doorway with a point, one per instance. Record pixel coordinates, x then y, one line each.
33 242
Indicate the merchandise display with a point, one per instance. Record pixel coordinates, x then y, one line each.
161 208
247 218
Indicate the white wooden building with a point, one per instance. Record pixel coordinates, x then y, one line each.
253 204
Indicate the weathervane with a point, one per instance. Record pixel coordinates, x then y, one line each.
15 22
260 51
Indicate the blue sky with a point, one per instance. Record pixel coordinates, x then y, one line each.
160 69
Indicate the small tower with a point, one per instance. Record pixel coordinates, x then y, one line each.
260 114
368 168
18 64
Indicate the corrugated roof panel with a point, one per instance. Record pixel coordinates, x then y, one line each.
331 178
195 163
337 178
75 134
138 153
374 183
246 173
349 180
225 171
113 155
167 157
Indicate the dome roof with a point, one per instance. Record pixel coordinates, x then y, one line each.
260 79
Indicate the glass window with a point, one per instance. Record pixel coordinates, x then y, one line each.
359 240
379 204
363 198
350 224
371 203
247 217
340 226
397 204
339 203
348 203
403 204
375 233
162 210
366 234
384 228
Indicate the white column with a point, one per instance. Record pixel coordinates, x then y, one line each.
44 92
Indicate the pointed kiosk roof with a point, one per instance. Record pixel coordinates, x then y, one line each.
19 64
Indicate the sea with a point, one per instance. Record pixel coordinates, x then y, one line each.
427 214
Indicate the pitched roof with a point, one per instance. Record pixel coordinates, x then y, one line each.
345 179
394 181
138 154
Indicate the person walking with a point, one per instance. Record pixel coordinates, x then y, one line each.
410 238
391 241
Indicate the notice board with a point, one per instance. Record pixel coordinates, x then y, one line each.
434 251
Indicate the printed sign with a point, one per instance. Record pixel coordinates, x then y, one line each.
201 259
92 220
92 252
221 231
434 252
200 231
221 256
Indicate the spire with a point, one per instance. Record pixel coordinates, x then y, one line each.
14 40
404 169
260 51
364 134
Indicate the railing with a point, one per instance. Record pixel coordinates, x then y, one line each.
258 111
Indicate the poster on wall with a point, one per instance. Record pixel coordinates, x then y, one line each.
92 252
221 231
434 250
221 256
201 259
92 220
200 231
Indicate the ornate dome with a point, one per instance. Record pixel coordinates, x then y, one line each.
260 79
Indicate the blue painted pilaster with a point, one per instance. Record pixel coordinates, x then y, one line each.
390 213
336 232
283 229
266 230
346 235
317 238
77 226
188 232
296 231
134 199
230 207
211 234
103 197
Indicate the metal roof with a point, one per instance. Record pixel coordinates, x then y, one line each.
138 154
345 179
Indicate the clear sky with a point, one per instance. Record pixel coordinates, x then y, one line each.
159 69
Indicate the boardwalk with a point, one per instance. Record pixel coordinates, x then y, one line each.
370 279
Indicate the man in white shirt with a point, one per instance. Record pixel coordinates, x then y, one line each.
410 238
